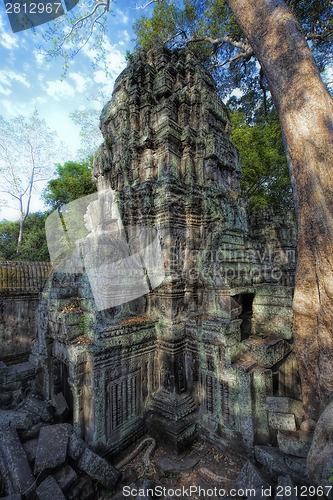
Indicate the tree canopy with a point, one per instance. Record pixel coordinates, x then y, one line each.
265 179
210 29
73 181
33 247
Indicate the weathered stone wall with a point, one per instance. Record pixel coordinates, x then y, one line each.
20 286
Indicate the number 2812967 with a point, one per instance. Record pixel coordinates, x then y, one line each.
33 8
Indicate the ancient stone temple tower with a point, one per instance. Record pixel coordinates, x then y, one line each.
200 352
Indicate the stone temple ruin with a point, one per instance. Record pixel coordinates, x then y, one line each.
208 351
205 348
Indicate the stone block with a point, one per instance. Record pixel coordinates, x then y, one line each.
65 477
52 447
98 468
30 447
39 408
282 421
278 463
251 478
281 491
16 418
267 351
84 490
294 443
49 489
14 465
285 405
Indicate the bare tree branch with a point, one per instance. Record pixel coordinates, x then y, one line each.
79 22
145 5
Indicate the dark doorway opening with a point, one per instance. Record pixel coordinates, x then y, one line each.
245 300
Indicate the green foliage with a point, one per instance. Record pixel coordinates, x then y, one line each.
265 177
208 27
33 245
73 181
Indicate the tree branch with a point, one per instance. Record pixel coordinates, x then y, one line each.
150 2
106 6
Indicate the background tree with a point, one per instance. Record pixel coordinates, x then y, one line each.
265 180
90 134
33 247
27 149
73 181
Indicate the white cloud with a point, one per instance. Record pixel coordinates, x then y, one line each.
5 90
39 57
80 81
59 89
7 78
8 41
122 16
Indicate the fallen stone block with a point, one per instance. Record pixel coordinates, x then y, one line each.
282 421
294 443
41 409
49 489
52 447
280 404
65 477
14 465
30 447
285 485
98 468
277 463
16 418
32 432
84 490
251 480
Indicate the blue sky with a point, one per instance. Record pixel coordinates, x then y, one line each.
29 81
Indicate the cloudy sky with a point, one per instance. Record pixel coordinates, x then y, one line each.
29 81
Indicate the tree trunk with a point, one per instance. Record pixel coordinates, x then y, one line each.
306 116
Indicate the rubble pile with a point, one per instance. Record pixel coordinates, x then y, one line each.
43 459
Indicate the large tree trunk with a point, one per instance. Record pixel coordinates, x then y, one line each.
306 117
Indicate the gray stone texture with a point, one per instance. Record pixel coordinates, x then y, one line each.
49 489
286 489
14 465
295 443
52 447
251 478
278 463
98 468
